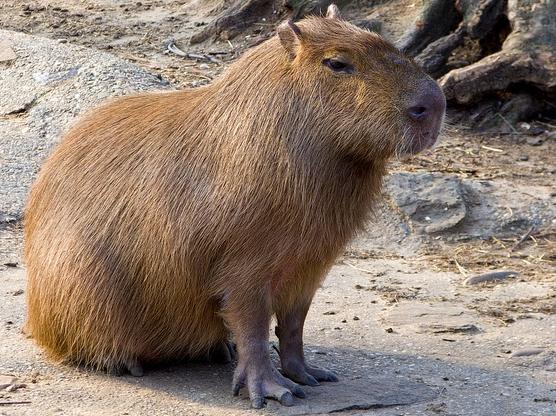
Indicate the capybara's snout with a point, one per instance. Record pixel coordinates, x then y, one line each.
425 110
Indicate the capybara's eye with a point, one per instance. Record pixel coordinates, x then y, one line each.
337 65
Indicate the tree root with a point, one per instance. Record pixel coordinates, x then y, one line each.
235 19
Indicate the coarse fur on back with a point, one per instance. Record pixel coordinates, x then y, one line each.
158 211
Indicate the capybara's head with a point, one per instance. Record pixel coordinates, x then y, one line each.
372 99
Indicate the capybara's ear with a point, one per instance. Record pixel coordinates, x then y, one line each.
290 37
333 12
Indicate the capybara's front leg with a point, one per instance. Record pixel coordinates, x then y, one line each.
249 319
290 334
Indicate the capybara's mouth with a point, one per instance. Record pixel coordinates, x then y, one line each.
423 142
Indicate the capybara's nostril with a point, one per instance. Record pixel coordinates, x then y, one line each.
418 112
428 104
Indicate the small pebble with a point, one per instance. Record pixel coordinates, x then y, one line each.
527 352
14 387
551 135
6 53
494 276
6 381
534 141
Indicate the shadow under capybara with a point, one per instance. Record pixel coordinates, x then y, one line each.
164 224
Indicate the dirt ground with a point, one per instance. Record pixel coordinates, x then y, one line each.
381 318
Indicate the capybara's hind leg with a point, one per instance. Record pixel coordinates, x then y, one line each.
132 367
222 353
135 368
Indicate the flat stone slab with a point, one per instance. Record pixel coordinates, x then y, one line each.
434 319
6 53
359 394
42 90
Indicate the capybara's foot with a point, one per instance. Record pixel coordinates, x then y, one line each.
223 353
135 369
132 367
265 382
307 375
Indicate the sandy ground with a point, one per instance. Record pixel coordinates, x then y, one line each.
389 324
399 326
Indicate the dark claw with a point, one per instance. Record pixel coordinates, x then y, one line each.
311 381
333 377
117 371
236 388
323 375
222 353
136 370
258 402
299 392
286 399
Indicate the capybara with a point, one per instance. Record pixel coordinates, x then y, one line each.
165 224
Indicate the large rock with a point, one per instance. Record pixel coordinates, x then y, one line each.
434 203
42 90
419 207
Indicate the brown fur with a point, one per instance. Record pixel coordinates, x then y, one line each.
162 220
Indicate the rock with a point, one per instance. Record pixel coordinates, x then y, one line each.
7 381
416 317
421 206
8 219
16 103
490 277
527 352
550 135
434 203
7 54
48 77
443 329
535 141
51 84
359 394
14 387
524 127
488 204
